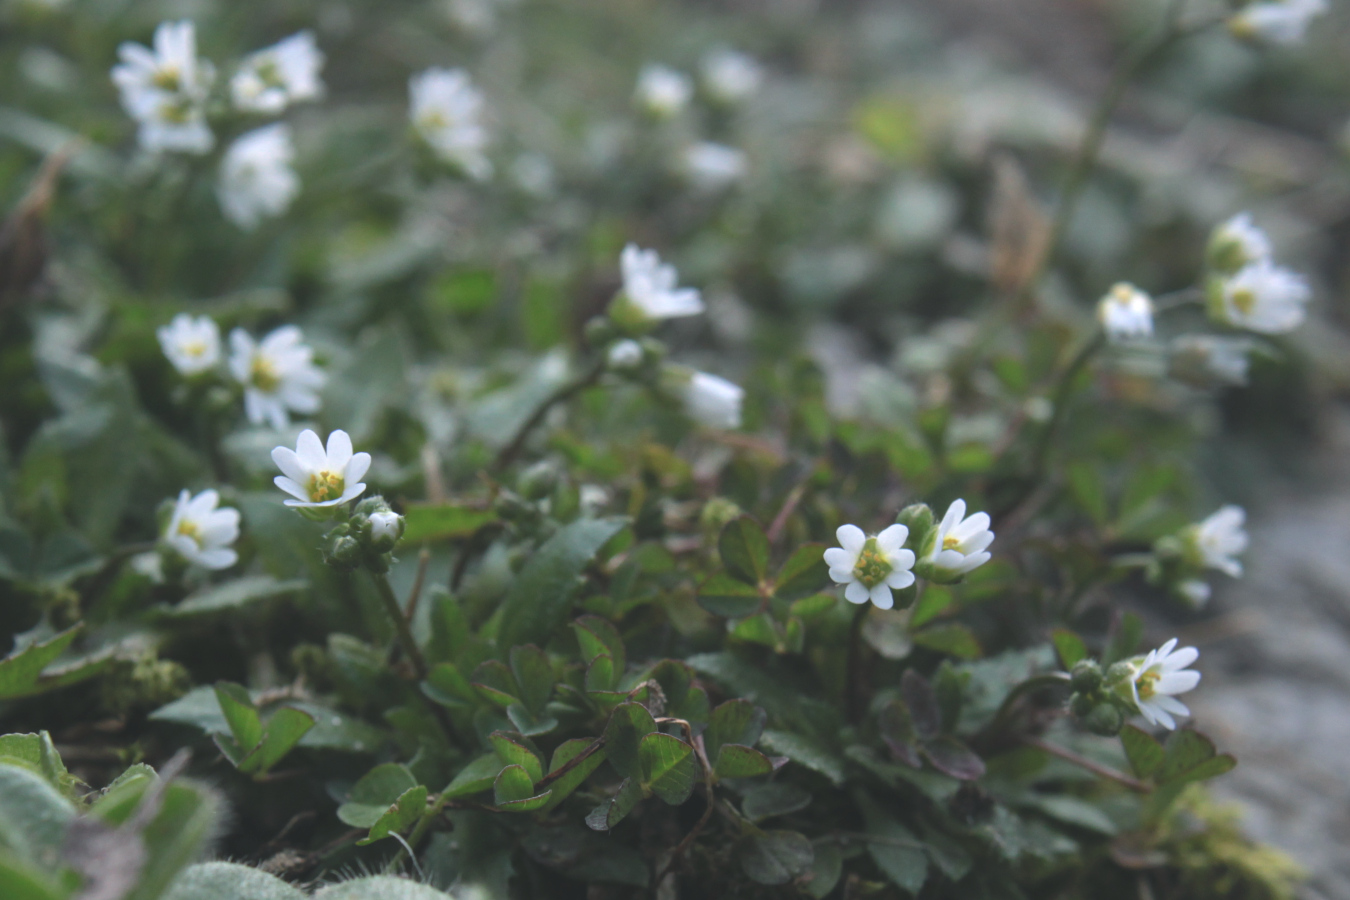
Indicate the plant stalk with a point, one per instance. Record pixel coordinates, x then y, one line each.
564 392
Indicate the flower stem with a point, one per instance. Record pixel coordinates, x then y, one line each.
401 626
853 688
564 392
1092 766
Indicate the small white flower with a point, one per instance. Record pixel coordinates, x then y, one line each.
201 533
593 498
319 478
192 345
256 178
1158 678
1282 22
1207 358
712 167
712 401
663 91
1264 297
653 286
447 111
165 89
278 375
871 566
271 79
959 543
1126 312
730 77
1218 540
1195 591
1237 243
625 354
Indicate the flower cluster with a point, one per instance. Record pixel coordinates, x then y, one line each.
1145 685
165 89
1212 544
1245 288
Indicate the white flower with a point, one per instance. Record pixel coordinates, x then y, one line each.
256 178
192 345
1126 312
871 566
202 534
319 478
1157 679
447 111
625 354
712 401
593 498
1207 358
165 90
272 78
1217 541
1264 297
278 375
1237 243
958 543
711 167
653 287
1195 591
662 91
1275 21
730 77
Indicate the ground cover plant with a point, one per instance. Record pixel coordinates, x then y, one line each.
562 449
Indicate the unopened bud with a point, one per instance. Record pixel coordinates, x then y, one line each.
918 518
538 481
1086 676
1106 719
383 530
343 552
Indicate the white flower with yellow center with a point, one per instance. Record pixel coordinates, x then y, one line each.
652 287
959 543
271 79
256 178
165 89
729 76
1158 677
1283 22
278 375
712 167
317 478
1203 359
1264 297
712 401
192 345
1126 312
447 111
1237 243
663 91
871 567
1217 542
201 533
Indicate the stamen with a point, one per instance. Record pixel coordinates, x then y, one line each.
325 486
263 374
950 543
872 566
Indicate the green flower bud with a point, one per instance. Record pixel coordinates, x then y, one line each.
343 552
1106 719
1081 705
1086 676
717 514
918 518
538 481
381 531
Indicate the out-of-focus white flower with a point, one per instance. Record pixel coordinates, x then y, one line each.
1195 592
1217 541
274 77
652 287
256 178
278 375
712 401
1282 22
165 90
1204 359
625 354
871 566
1126 312
711 167
447 111
730 76
1237 243
1263 297
317 478
958 544
191 344
1157 679
201 533
663 91
593 498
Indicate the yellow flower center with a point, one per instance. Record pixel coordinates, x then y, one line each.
190 531
166 79
1147 683
263 375
269 73
872 566
325 486
1244 300
176 112
433 120
195 348
950 543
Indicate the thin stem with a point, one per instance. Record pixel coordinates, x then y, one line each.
571 764
853 672
779 524
562 393
1035 683
1092 766
414 595
419 831
700 752
401 626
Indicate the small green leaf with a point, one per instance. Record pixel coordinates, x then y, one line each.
806 752
777 798
934 601
495 683
515 752
567 751
233 596
477 776
600 637
1069 646
896 852
1089 489
808 608
1184 751
229 881
954 639
668 767
514 790
734 722
245 723
600 675
448 687
723 595
371 797
612 811
33 816
739 761
527 723
776 857
440 522
826 868
283 731
20 672
628 724
1144 753
952 757
21 881
406 810
37 753
744 550
534 676
804 573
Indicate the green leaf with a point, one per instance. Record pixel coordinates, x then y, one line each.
1144 753
19 672
952 757
954 639
600 674
669 769
283 731
597 635
628 724
494 682
527 723
567 751
739 761
33 816
777 798
515 752
723 595
229 881
826 869
1069 646
734 722
242 716
22 881
612 811
37 753
477 776
933 602
187 818
744 550
806 752
541 595
896 851
804 573
440 522
380 887
1074 811
1088 488
374 793
776 857
534 675
233 596
809 607
448 687
1184 751
1125 638
407 809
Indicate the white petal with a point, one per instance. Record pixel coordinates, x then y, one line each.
1164 719
971 527
881 597
352 492
289 464
1177 682
851 538
218 558
839 558
1180 659
949 559
358 467
955 513
1170 704
974 561
340 450
842 576
310 451
291 488
1166 648
892 538
902 559
977 543
856 593
900 579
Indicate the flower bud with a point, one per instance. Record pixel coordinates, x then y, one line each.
717 514
1086 676
624 355
343 552
382 530
1081 705
918 518
1106 719
538 481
